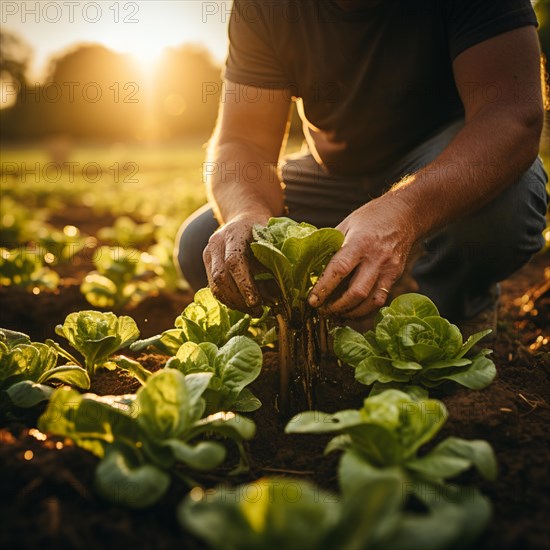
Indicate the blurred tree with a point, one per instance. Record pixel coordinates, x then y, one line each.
15 55
187 92
92 92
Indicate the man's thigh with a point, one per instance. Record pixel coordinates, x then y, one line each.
315 196
464 261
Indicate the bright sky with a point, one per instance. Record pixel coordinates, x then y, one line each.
142 27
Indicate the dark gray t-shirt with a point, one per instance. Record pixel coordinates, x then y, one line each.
373 82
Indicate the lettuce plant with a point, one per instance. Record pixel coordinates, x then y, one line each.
122 276
127 233
159 242
295 255
206 319
61 245
268 513
141 438
451 516
412 344
96 336
24 268
296 515
162 254
17 221
386 434
27 370
233 367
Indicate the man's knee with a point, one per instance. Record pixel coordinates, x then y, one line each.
465 260
506 233
190 243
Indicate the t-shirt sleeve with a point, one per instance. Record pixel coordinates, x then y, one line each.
472 21
251 59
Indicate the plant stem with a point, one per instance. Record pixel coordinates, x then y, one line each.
310 361
285 360
322 331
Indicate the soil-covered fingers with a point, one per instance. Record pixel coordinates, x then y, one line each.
367 291
228 271
267 288
219 278
237 264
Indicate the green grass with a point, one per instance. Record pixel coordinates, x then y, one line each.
140 181
143 182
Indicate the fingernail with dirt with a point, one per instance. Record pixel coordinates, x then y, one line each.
313 300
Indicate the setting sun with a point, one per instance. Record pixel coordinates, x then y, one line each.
143 29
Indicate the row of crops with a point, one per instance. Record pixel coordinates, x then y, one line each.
399 484
126 239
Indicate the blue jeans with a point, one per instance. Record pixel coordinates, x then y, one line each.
461 264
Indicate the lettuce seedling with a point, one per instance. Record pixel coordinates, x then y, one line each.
24 268
96 336
295 255
206 319
412 344
127 233
233 366
268 513
387 433
122 276
59 245
27 370
296 515
141 437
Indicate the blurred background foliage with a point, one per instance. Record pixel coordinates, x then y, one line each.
91 92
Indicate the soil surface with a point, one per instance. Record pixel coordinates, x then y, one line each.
47 484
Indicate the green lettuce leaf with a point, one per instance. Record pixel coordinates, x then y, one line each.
268 513
233 367
412 344
97 335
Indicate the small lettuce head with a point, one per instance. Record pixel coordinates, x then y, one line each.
412 343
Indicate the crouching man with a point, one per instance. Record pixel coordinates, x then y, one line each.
422 121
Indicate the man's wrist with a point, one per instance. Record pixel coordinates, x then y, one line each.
407 214
257 215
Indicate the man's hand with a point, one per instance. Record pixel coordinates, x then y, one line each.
226 258
379 237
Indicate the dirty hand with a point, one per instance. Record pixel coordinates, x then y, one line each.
378 239
226 258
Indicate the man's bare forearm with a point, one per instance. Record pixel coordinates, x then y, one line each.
242 182
380 234
487 155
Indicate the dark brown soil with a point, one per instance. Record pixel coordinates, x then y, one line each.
49 500
38 315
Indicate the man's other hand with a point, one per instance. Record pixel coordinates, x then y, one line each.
378 240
